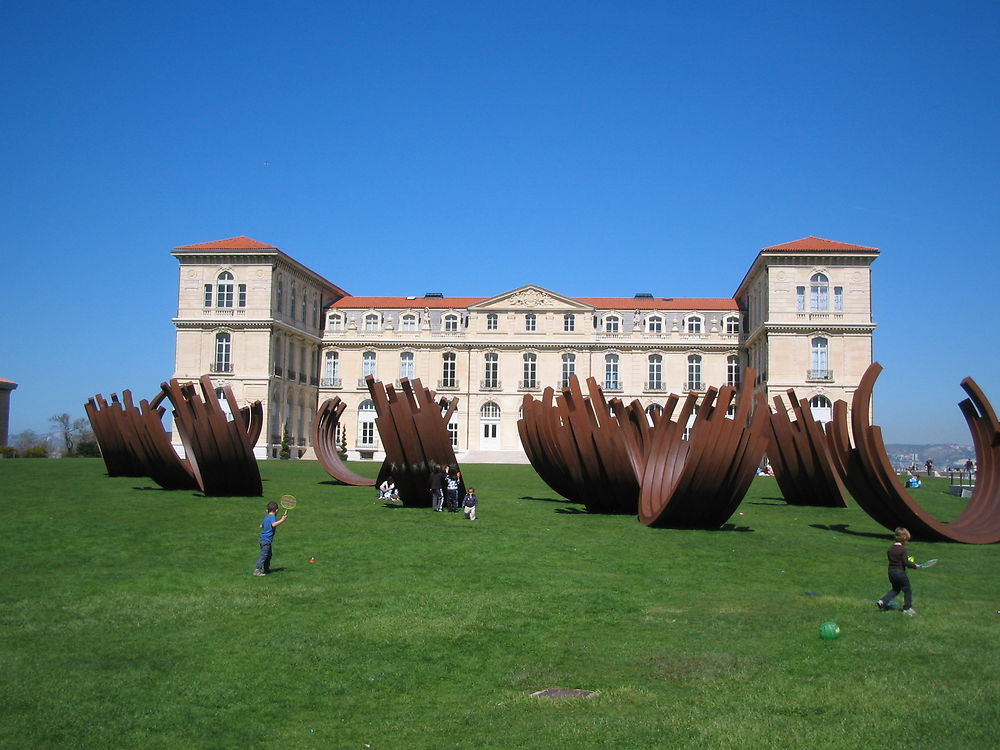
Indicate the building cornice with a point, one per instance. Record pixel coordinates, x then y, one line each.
848 329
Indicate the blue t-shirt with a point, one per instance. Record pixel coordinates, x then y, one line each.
267 528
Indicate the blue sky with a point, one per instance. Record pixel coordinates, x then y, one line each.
594 148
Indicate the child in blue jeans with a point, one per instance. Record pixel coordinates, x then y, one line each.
899 561
267 527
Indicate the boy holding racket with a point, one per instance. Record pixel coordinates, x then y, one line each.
899 561
267 527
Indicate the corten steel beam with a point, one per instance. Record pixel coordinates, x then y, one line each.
585 448
699 482
219 450
872 482
800 455
324 441
108 423
413 428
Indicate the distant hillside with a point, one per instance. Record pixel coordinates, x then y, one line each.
943 456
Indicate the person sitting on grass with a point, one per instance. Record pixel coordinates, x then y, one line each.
912 482
469 504
267 527
387 491
898 563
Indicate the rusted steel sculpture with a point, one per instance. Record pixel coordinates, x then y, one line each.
584 449
413 428
699 482
219 450
108 423
872 482
610 458
324 441
800 456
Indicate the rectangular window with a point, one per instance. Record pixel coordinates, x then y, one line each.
368 433
529 322
492 322
208 295
241 298
569 323
530 371
453 434
800 299
568 369
611 381
491 371
448 371
838 299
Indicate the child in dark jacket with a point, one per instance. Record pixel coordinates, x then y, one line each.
469 504
899 561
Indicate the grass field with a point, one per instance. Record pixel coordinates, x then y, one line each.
130 618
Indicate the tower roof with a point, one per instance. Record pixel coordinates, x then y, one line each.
818 243
231 243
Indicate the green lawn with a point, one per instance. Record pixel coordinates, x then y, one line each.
130 618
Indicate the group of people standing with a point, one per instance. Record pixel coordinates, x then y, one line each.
446 482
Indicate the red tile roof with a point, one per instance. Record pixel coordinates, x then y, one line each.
231 243
818 243
395 303
659 303
601 303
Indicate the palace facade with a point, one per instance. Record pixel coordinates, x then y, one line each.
277 331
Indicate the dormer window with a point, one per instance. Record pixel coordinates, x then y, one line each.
654 324
693 324
335 322
450 323
408 322
371 322
732 324
612 324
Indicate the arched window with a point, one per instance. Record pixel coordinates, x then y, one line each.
450 323
612 372
733 371
406 365
821 408
654 324
368 365
408 322
568 369
529 371
819 292
449 377
490 410
694 373
331 369
224 290
732 324
491 370
371 322
655 372
223 350
652 412
366 424
530 321
612 324
693 324
492 321
819 368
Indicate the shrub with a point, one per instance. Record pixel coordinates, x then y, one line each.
8 451
37 451
88 449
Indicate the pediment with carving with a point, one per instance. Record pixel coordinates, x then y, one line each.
530 298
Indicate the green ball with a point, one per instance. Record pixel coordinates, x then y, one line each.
829 630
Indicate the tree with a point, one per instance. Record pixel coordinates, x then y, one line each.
25 441
65 427
285 453
74 432
342 450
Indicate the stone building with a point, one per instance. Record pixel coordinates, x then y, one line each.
274 330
